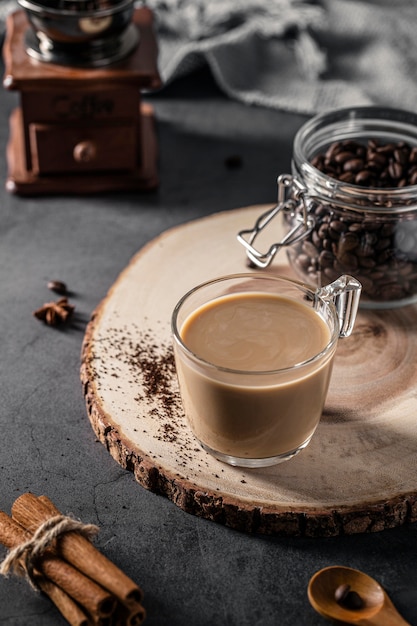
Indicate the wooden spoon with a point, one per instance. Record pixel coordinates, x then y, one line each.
377 608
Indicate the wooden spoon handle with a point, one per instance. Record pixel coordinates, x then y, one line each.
387 616
393 618
390 618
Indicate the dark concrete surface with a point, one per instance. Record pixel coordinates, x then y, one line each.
193 572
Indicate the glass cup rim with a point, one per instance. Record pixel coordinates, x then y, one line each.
307 289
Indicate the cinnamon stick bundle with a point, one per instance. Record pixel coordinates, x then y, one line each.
11 535
86 587
52 574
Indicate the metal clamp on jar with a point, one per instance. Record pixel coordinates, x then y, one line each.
350 205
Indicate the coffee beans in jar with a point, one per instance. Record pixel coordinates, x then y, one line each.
352 204
370 164
380 252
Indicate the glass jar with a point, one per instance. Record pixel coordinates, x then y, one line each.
335 226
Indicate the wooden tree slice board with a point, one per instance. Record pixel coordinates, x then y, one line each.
359 473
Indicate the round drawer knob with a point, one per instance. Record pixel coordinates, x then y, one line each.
84 152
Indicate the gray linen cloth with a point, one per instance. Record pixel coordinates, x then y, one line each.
303 56
292 55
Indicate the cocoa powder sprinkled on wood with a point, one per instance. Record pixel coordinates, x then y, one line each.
158 372
152 368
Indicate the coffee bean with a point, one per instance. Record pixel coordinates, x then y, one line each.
349 261
315 240
303 261
326 259
395 170
364 177
343 157
341 593
413 155
58 286
323 230
309 248
348 598
327 244
387 148
354 601
333 233
353 165
347 177
401 156
355 227
376 161
338 226
348 241
333 149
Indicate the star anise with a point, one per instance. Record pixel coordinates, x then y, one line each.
55 313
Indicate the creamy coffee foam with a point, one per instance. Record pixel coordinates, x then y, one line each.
255 332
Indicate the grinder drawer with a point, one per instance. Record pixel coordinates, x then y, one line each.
56 150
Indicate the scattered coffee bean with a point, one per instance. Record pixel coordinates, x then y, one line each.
348 598
233 162
57 286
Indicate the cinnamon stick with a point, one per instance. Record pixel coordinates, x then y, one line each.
125 616
31 511
135 618
97 601
68 608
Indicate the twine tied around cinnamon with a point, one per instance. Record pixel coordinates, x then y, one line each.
23 558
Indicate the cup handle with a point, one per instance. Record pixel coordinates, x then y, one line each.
345 293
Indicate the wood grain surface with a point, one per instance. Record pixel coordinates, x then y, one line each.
358 474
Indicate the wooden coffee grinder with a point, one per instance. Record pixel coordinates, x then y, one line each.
80 67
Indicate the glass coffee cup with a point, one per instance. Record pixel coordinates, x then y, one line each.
254 356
